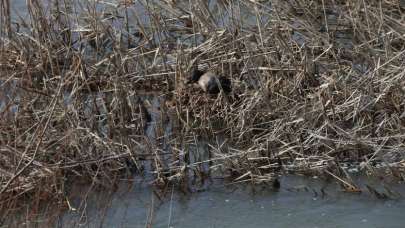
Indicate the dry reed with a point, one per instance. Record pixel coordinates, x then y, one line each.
316 86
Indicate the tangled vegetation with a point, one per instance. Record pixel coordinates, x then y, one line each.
96 91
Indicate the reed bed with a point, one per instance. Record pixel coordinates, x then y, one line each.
96 91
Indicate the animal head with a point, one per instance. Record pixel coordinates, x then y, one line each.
195 76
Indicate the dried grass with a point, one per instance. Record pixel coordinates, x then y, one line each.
316 85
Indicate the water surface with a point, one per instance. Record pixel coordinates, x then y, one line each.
299 203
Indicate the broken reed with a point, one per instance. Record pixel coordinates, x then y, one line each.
315 85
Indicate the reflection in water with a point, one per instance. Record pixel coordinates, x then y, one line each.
299 203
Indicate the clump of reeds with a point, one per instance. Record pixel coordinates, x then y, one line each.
314 86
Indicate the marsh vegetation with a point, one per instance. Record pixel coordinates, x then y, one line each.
97 91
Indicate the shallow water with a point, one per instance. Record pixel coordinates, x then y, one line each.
299 203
